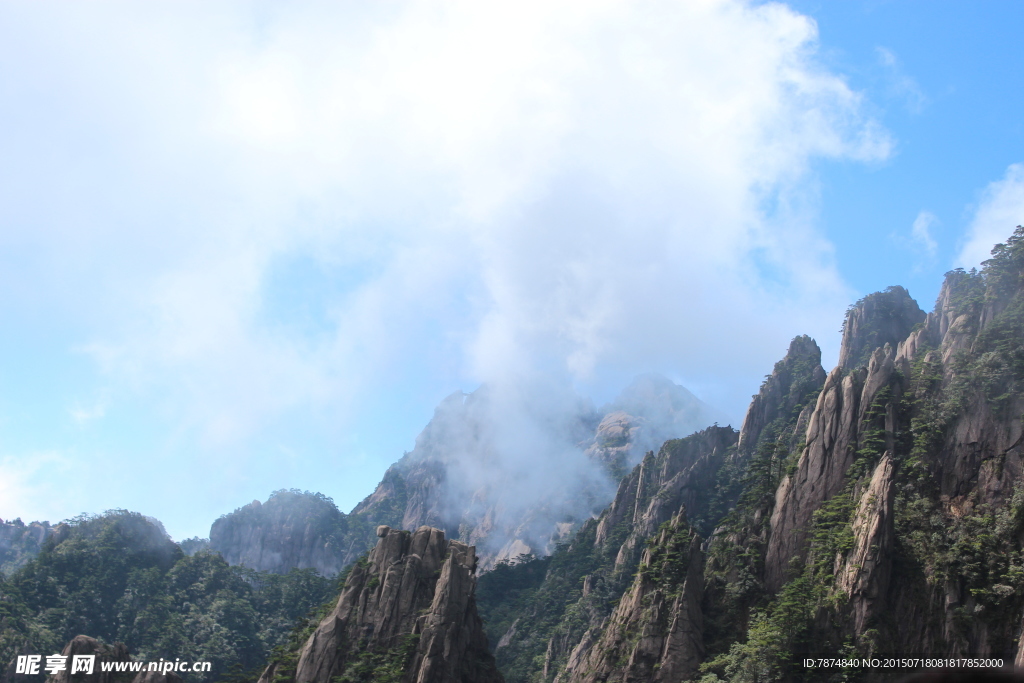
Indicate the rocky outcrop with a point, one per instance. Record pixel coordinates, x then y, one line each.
834 435
658 410
865 571
614 440
84 645
292 529
591 573
407 610
878 319
680 476
879 513
656 631
794 381
924 445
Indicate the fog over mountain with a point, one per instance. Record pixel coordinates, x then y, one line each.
513 472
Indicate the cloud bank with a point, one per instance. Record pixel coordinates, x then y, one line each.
1000 209
243 212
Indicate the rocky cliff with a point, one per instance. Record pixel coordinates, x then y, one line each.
878 319
899 520
878 508
625 599
655 632
407 613
570 612
292 529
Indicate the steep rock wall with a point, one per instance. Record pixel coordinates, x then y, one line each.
407 610
656 631
292 529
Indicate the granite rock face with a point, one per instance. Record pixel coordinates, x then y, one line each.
796 377
864 573
653 500
680 476
84 645
656 631
918 432
886 317
408 608
836 427
834 435
291 530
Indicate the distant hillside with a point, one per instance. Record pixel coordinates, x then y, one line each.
20 542
117 577
293 529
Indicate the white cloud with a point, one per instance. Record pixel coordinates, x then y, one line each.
83 415
921 240
901 85
999 210
30 488
568 188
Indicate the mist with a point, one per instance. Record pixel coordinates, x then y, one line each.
514 468
275 237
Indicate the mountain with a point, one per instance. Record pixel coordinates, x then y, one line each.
876 509
510 479
406 613
579 621
117 578
293 529
651 410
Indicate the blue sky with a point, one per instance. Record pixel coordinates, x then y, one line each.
250 246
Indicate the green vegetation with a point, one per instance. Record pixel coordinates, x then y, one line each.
19 543
117 577
669 556
503 592
555 606
943 545
387 666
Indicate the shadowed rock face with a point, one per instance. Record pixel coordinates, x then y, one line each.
795 377
408 608
291 530
655 632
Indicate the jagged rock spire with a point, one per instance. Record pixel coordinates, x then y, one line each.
881 318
